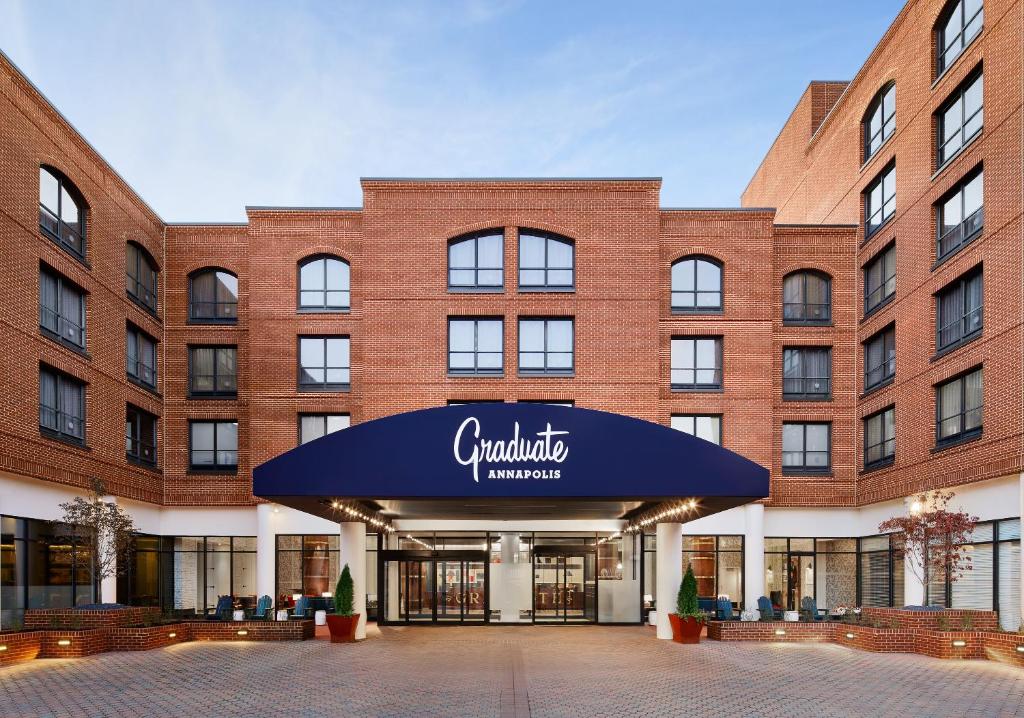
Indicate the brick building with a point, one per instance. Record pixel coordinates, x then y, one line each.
854 275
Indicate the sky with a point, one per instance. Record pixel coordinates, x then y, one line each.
206 107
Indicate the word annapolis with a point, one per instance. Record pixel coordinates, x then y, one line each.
517 449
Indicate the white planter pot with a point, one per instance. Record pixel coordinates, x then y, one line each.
320 618
652 618
238 615
791 616
282 615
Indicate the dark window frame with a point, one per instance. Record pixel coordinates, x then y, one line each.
135 445
963 434
962 320
942 158
943 59
138 292
548 237
718 369
695 309
879 293
695 416
193 317
803 379
61 378
887 367
133 372
877 105
475 238
804 468
477 370
886 416
318 415
324 386
55 214
63 284
803 275
970 226
870 212
215 393
545 371
214 467
324 308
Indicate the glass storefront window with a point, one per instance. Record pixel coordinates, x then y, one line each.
307 565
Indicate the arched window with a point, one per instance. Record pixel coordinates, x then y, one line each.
140 276
477 261
213 296
61 210
957 26
546 262
696 285
807 298
324 284
880 120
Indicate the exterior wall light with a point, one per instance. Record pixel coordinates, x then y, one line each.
3 647
63 642
1020 649
959 644
242 632
172 634
779 632
849 635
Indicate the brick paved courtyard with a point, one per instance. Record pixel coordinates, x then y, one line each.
515 671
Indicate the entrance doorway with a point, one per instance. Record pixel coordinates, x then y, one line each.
432 587
565 584
801 578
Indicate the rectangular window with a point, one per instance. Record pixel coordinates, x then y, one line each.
958 311
546 346
960 118
61 309
807 373
961 216
959 407
141 357
880 200
140 277
696 363
213 445
476 346
806 447
880 358
880 438
956 31
213 371
880 279
314 426
61 405
703 426
324 363
140 436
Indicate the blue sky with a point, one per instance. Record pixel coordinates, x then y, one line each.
205 107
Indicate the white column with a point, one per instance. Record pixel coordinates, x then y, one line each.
913 586
505 584
108 585
266 552
753 555
669 563
353 553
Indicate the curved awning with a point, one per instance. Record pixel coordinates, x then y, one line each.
508 460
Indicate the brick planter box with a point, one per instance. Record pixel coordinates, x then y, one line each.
1002 647
768 631
877 640
253 630
146 638
81 619
73 644
954 619
18 646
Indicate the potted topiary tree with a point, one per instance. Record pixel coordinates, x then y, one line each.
342 623
688 620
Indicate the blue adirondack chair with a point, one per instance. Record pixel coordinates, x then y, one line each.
768 613
724 612
301 607
223 610
263 607
809 609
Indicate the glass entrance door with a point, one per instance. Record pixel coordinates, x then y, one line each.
801 579
565 588
434 590
416 591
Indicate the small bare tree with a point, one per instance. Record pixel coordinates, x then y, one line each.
105 528
933 537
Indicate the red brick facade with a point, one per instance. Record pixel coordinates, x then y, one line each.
624 246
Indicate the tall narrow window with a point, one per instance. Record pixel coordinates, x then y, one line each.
213 371
61 405
696 285
475 346
880 120
61 309
807 298
958 315
880 200
324 363
880 438
141 357
807 373
961 215
960 118
546 346
314 426
61 211
213 296
546 261
880 279
140 276
477 261
703 426
324 285
880 358
696 363
140 436
959 23
213 445
958 407
806 448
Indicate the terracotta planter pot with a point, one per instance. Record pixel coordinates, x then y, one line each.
685 630
343 628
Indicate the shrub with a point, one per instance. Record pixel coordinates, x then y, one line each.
343 598
686 599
